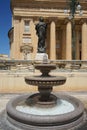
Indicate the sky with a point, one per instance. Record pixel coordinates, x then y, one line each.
5 25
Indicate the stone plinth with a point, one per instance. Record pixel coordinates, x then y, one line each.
41 56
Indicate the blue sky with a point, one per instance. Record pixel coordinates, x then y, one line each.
5 25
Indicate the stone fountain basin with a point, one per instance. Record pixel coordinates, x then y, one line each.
45 81
60 121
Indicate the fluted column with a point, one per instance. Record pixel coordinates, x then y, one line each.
68 41
84 41
53 41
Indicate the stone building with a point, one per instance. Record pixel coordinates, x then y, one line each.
22 35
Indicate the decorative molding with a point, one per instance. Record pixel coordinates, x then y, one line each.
66 20
26 48
83 20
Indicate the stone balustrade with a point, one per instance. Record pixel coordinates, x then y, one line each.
29 64
13 72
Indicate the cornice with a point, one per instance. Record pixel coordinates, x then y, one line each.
44 4
36 13
60 3
38 3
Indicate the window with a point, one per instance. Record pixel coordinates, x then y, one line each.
26 27
26 40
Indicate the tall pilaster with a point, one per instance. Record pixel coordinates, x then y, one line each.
12 44
34 38
84 40
68 41
16 47
53 41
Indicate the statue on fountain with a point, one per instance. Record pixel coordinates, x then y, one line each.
41 29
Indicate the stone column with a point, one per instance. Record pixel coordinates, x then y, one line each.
84 44
77 45
68 41
84 41
34 38
53 41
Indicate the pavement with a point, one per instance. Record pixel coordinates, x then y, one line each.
4 98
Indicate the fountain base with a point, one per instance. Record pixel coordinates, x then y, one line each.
66 114
35 100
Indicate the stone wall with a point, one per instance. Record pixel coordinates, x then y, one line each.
13 81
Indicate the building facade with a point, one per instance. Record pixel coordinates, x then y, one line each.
23 38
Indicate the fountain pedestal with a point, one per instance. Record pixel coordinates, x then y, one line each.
45 83
41 56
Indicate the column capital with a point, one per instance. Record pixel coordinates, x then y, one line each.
53 41
16 21
35 18
83 20
53 19
66 20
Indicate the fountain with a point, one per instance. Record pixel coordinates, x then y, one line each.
44 110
